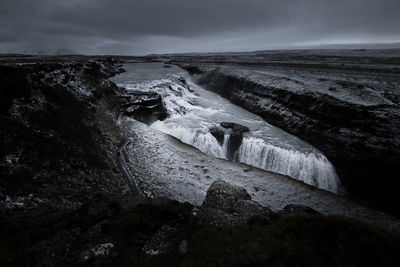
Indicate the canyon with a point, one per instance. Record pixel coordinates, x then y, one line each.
134 160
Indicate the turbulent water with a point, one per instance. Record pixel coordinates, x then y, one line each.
194 110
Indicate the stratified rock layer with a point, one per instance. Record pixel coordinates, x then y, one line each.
146 107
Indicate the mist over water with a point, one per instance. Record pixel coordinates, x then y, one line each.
194 110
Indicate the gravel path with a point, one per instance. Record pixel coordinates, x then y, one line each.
122 166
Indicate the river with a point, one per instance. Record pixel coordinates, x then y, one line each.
193 111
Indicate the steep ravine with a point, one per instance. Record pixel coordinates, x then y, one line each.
356 127
219 128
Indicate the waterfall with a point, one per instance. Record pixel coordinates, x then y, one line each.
202 140
175 94
193 111
311 168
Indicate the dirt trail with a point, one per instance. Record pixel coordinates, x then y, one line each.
122 166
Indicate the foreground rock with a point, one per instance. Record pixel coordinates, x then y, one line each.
227 205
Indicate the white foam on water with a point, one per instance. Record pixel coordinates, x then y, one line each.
194 110
311 168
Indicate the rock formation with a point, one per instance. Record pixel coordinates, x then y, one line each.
143 106
235 136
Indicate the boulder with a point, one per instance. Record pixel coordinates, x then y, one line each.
227 204
223 196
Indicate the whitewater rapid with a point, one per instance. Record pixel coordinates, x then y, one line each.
194 110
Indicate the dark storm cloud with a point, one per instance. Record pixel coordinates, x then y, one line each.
135 27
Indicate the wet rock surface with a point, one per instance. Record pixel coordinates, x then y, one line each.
235 136
144 107
236 128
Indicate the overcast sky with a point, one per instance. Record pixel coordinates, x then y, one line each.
137 27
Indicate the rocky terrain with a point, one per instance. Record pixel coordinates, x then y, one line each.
58 136
70 145
345 104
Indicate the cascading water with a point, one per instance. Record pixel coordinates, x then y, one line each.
193 111
311 168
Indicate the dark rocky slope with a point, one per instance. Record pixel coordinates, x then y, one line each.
353 123
57 139
229 229
58 142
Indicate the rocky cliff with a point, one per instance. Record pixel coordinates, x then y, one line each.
59 137
355 122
